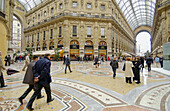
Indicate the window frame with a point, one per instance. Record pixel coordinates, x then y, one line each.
76 4
90 5
74 30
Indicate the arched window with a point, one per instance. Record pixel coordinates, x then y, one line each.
44 46
51 47
169 39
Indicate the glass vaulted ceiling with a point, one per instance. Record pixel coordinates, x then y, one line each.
138 12
29 4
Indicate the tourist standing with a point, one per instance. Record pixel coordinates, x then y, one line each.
136 77
29 79
157 61
114 65
128 70
67 64
27 61
41 72
9 60
1 74
161 61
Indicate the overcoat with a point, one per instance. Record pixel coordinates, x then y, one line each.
128 69
29 76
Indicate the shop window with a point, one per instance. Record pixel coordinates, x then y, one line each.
89 5
74 31
74 4
102 7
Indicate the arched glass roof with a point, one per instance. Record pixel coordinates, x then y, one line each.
138 12
29 4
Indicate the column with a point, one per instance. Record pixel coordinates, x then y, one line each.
109 41
10 24
55 36
48 38
96 40
82 40
66 38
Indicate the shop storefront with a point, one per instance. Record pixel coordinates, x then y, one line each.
74 50
60 46
88 49
103 49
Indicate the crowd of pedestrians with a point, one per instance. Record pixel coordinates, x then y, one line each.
38 76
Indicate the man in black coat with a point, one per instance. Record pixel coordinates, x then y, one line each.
149 60
114 64
67 64
41 72
29 79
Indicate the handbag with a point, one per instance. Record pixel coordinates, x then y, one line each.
124 67
140 66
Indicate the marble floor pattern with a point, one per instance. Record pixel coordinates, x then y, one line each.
90 89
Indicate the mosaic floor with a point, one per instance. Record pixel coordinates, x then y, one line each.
90 89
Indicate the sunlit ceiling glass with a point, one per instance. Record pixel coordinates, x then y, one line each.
138 12
29 4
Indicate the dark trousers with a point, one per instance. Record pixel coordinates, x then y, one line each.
37 91
161 62
2 80
149 67
9 63
128 80
114 71
67 65
6 63
28 91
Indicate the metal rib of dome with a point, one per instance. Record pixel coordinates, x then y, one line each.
138 12
29 4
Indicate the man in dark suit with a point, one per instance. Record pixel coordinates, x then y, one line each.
149 60
114 64
1 74
67 64
29 79
41 72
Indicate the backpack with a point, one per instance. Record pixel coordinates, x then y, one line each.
113 63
